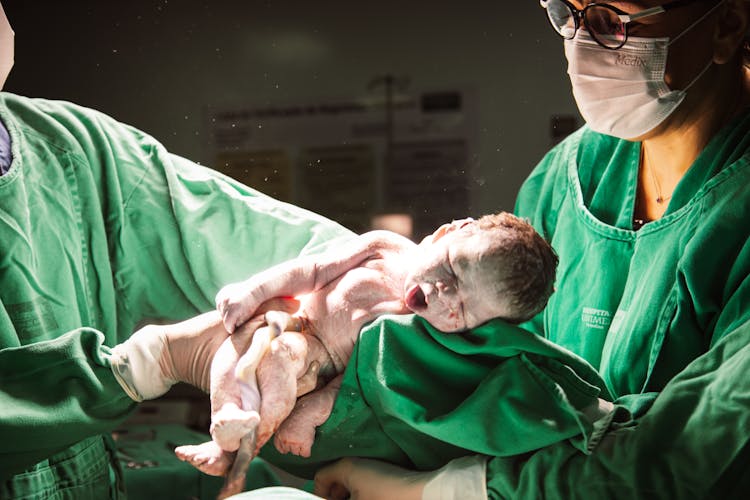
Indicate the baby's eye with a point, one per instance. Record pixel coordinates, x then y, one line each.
451 273
462 312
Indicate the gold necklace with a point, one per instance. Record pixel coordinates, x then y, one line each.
659 198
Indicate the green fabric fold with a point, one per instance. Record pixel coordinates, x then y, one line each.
417 397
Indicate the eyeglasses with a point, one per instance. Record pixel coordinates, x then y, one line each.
608 25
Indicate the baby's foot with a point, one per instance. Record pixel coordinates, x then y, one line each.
207 457
296 436
230 424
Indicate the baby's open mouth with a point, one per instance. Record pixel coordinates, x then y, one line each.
415 299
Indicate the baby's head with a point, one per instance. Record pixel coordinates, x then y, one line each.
470 271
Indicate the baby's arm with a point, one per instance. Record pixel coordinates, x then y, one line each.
237 302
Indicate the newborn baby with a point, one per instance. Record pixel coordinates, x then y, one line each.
464 274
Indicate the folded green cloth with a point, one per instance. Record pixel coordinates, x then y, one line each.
417 397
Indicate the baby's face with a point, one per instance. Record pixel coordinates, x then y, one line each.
446 286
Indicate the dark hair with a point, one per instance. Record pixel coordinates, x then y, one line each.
526 264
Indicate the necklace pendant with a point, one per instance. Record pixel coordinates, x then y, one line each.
659 200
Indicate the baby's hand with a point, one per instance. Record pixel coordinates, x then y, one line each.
236 304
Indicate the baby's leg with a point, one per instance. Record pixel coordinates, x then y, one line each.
283 374
231 418
297 432
265 342
278 372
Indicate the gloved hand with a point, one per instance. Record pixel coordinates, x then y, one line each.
158 356
364 479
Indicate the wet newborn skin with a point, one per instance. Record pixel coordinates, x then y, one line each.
464 274
342 295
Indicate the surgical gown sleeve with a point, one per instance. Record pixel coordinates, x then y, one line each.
102 229
691 443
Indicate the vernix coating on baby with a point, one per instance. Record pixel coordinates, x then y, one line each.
464 274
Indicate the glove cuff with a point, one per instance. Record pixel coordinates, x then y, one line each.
463 478
136 365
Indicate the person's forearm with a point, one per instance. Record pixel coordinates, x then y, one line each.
366 479
54 394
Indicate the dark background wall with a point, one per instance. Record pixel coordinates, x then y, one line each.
159 64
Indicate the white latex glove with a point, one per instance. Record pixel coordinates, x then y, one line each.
365 479
463 478
156 357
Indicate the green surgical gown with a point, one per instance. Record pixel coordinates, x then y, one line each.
100 229
663 314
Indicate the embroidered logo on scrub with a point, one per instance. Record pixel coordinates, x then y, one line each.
596 318
32 319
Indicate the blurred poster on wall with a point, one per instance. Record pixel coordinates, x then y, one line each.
268 171
428 180
339 182
352 159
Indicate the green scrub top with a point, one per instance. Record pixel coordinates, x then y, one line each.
662 312
101 229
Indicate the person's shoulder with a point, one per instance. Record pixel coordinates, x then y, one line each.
64 125
725 166
38 109
57 122
545 189
550 174
726 196
66 113
582 144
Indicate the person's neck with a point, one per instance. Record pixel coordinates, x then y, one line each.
668 153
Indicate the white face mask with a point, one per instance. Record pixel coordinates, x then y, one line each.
6 47
622 92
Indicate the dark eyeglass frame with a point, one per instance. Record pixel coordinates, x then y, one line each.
579 17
